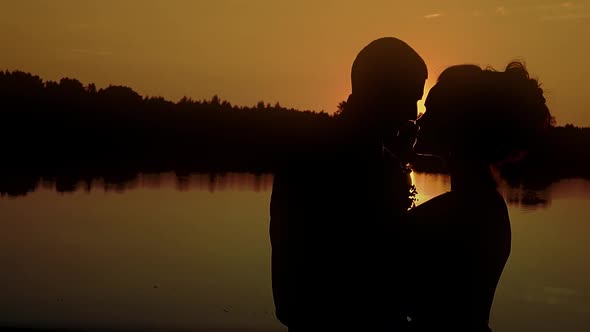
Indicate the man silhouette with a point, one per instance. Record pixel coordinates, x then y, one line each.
335 204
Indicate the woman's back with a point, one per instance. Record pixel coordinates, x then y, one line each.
457 244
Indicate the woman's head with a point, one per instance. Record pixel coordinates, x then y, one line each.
484 115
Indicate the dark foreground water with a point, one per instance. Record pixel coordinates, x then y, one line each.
195 254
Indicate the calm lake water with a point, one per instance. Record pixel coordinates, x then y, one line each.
196 254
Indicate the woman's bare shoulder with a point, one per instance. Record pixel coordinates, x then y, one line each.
434 206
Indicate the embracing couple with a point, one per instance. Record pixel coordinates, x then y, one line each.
348 250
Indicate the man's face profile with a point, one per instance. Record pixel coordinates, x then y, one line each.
398 104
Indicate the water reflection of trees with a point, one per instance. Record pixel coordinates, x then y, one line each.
527 198
433 184
429 185
212 182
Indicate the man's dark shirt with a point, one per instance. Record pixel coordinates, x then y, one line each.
334 211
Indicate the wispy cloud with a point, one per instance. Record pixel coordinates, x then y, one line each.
501 10
546 11
91 52
565 17
562 6
563 11
434 15
568 4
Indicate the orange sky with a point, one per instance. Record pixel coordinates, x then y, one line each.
296 53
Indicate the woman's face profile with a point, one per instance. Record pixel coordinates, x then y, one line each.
433 131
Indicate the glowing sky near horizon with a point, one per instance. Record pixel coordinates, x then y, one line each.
298 54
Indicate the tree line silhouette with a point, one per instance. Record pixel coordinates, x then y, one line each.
73 134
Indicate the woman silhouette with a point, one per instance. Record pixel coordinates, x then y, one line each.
459 242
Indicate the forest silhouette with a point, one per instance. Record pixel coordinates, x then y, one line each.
72 134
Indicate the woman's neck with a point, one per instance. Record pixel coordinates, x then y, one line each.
468 175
